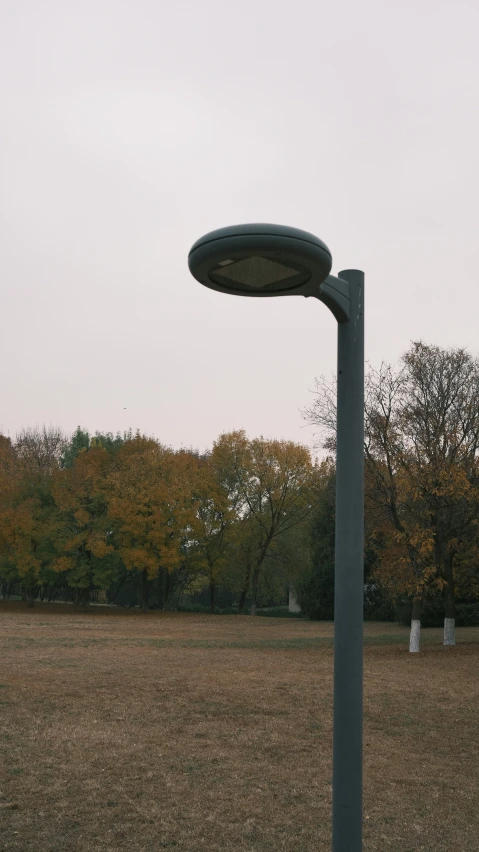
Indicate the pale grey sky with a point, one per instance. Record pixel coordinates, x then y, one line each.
129 129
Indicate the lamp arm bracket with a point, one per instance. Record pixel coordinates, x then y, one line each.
334 292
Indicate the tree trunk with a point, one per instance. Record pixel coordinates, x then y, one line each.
30 596
161 588
449 617
167 586
212 595
85 598
449 605
144 590
244 590
415 633
242 600
254 590
24 593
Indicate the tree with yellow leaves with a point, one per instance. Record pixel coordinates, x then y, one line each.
83 536
8 494
422 475
27 517
270 486
214 518
151 508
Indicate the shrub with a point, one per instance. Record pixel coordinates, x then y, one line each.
279 612
432 614
377 606
315 593
467 614
275 612
194 607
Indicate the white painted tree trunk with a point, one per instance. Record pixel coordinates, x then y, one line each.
414 636
449 631
293 605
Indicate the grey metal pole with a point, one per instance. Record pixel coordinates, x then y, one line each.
349 576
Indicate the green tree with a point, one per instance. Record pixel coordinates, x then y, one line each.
270 484
79 442
213 522
315 589
84 539
9 576
35 456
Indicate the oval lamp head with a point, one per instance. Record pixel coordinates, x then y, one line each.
259 260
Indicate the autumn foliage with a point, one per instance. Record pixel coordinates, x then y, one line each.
86 515
421 473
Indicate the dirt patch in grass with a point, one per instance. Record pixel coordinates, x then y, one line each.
122 731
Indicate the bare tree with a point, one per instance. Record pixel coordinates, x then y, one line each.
41 447
421 446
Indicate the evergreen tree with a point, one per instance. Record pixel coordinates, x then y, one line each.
315 589
79 441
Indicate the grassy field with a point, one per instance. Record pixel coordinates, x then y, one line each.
122 731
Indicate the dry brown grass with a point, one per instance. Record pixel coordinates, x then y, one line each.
144 732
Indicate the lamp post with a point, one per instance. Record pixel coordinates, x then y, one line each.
273 260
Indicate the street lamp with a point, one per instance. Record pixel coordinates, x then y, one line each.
273 260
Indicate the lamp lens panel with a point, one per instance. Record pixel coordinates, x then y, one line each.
256 272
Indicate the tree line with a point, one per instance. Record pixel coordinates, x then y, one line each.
88 514
85 515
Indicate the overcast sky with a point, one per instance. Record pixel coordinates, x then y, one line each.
131 128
